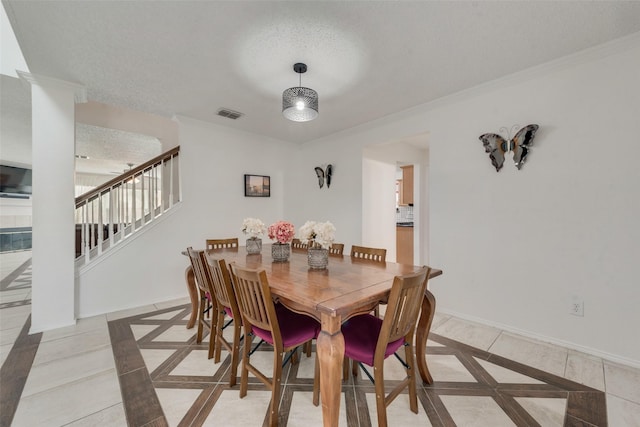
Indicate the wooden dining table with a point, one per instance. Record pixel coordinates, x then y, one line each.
349 286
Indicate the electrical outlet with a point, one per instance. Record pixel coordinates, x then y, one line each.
576 306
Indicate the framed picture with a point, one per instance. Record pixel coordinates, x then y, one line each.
257 186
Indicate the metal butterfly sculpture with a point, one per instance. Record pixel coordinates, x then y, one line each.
324 175
520 144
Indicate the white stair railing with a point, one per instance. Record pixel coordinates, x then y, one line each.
107 215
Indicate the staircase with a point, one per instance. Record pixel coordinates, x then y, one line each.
108 215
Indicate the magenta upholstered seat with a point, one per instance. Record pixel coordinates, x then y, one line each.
370 340
295 328
361 337
274 323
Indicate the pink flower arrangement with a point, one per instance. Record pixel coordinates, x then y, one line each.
282 231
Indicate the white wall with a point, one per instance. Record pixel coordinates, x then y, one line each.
515 245
213 162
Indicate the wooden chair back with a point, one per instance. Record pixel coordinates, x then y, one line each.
297 244
254 300
336 249
225 300
403 308
200 272
372 254
222 243
222 288
205 288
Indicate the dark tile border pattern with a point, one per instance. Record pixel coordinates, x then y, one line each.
585 406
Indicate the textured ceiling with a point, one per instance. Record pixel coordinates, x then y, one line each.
366 59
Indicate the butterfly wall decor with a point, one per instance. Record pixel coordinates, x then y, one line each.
324 175
520 144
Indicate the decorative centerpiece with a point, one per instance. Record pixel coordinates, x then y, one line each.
319 236
282 232
253 227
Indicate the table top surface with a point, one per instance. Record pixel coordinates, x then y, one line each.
348 286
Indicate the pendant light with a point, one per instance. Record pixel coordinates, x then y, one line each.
300 104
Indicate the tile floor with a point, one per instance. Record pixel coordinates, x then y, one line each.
483 376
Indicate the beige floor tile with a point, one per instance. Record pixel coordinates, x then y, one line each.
448 368
54 374
62 405
585 369
470 333
195 364
72 345
177 333
130 312
304 414
165 316
85 325
9 296
622 381
112 416
154 357
9 336
140 331
438 320
398 412
503 375
306 366
248 411
14 317
173 302
622 413
476 411
547 412
546 357
176 402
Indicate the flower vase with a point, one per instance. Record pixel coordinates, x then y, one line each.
254 245
280 252
318 258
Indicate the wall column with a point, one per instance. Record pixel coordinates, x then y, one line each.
53 160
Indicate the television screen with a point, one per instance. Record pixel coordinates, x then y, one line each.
15 180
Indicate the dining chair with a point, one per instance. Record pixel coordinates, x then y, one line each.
205 289
336 249
284 329
222 243
297 244
226 304
372 254
369 340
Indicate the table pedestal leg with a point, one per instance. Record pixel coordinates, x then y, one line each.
193 295
422 333
330 353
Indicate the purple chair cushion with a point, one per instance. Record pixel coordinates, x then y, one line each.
228 311
361 336
295 328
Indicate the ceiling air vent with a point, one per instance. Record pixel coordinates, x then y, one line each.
229 114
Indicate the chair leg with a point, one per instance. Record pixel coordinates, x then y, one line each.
235 354
381 406
200 322
411 373
278 356
244 376
219 325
